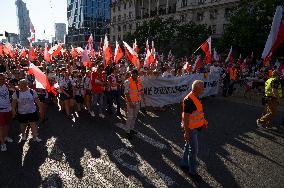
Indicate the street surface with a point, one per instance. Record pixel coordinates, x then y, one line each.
89 152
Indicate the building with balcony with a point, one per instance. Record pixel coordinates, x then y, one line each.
23 22
127 15
86 17
60 32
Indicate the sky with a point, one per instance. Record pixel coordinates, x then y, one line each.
43 14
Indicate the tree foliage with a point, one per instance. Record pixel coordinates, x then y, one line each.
249 26
181 39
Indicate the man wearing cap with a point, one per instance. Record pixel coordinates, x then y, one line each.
134 94
273 93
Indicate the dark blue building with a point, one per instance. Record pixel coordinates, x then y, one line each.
86 17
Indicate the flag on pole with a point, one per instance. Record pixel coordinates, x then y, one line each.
149 59
86 59
197 64
90 42
230 57
74 52
276 35
107 50
147 46
32 29
46 54
132 55
118 54
206 47
135 46
32 54
55 50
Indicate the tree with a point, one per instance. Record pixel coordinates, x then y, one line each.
249 26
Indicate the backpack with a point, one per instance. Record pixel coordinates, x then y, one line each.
18 93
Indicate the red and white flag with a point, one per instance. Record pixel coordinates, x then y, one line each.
135 46
24 53
149 59
86 59
46 54
55 50
230 57
74 52
107 50
8 49
197 64
215 55
40 78
1 50
206 47
32 54
276 35
147 46
90 42
132 55
118 54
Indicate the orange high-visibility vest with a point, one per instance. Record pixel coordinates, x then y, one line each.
135 90
196 118
233 74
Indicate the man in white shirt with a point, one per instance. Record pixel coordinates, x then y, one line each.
24 105
5 112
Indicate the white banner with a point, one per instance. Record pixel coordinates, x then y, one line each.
163 91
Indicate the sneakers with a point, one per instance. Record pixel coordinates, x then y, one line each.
37 139
101 116
24 137
92 113
3 147
8 139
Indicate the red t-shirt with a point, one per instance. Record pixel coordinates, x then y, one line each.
97 88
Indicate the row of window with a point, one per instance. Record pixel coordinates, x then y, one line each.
124 5
124 28
124 17
213 14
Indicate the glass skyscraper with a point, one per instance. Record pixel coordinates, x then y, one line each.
86 17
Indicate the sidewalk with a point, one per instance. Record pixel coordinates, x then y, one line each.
253 98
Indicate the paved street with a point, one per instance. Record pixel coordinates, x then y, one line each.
94 153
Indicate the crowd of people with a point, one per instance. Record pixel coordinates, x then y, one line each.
86 89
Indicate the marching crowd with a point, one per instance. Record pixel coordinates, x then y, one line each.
80 88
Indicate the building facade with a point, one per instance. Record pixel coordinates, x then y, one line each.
23 22
86 17
60 32
127 15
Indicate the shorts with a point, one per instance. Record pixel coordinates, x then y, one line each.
63 97
5 118
28 118
79 99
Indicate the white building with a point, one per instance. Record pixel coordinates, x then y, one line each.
60 32
126 15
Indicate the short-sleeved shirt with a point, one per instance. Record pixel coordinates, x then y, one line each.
26 101
189 106
5 105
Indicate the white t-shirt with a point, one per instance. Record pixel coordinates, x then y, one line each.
5 105
79 86
66 84
26 101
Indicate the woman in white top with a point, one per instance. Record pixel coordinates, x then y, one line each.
66 93
24 104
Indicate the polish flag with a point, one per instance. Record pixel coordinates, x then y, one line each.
74 52
230 58
8 49
135 46
132 55
86 59
40 78
149 59
1 50
147 46
153 51
107 50
118 54
24 53
206 47
46 54
100 48
197 64
55 50
187 67
90 42
276 35
215 55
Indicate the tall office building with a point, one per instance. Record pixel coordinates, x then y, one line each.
86 17
60 32
23 22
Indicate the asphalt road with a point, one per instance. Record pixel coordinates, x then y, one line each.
92 152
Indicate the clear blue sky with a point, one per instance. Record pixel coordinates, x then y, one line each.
43 14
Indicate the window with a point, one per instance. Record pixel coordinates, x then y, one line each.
200 2
118 8
119 28
114 19
130 27
124 27
113 9
200 16
213 14
113 38
124 6
119 18
118 36
130 2
124 16
130 15
213 29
